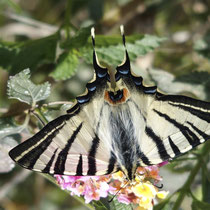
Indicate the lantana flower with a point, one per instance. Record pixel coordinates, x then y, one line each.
142 191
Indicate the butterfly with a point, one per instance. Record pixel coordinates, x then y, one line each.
118 123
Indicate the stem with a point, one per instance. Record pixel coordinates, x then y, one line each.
41 115
67 18
186 186
58 103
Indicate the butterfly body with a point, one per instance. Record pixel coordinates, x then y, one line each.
117 124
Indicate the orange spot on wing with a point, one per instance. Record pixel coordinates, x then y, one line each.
126 95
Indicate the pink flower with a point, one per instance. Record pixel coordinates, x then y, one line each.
123 198
140 191
91 187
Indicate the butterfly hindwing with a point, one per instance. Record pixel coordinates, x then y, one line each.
175 124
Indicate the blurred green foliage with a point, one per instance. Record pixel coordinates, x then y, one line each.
52 39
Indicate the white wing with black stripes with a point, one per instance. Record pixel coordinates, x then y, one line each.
117 124
175 125
70 144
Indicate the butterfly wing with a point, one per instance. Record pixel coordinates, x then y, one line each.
67 145
175 124
70 144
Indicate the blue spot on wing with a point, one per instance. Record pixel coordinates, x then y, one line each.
83 99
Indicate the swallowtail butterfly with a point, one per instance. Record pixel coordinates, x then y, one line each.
117 124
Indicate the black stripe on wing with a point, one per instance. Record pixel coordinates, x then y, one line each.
79 166
142 156
112 162
203 134
49 164
189 135
91 156
30 158
49 132
181 100
174 147
159 143
198 113
62 156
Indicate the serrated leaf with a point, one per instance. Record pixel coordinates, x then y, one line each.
114 54
28 54
20 87
66 66
6 163
8 127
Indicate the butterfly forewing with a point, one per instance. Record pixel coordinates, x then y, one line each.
68 145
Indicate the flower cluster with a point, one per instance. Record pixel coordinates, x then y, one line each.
142 191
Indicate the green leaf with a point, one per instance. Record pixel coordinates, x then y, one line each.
20 87
66 66
106 40
116 205
82 37
8 127
8 51
99 205
114 54
79 40
28 54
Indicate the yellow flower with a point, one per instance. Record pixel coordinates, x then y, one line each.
146 203
118 175
162 194
140 208
146 190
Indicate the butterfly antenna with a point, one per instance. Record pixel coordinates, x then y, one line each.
118 192
93 36
159 187
99 70
122 34
124 68
111 73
